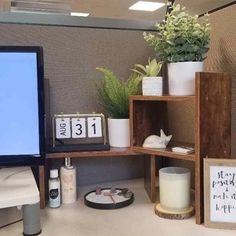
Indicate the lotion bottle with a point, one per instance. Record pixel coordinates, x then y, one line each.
68 182
54 189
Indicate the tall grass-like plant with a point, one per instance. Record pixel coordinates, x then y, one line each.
180 37
114 93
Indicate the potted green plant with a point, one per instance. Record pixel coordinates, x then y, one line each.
152 85
114 96
182 42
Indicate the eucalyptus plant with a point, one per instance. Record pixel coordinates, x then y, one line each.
152 69
114 93
180 37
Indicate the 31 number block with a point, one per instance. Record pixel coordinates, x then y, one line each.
79 128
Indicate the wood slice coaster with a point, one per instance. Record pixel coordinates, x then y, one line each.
173 215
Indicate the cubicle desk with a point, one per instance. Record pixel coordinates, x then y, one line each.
149 162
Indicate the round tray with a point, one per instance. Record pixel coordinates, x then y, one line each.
91 199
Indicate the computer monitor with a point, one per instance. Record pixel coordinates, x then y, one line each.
21 106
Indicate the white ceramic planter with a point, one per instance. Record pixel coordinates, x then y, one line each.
181 77
118 132
152 86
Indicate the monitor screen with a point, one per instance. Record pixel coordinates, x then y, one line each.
21 105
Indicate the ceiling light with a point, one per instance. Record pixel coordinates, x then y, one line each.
40 6
83 14
146 6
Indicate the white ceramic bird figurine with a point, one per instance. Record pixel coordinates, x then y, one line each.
155 141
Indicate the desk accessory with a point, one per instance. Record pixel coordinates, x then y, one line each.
79 132
68 182
183 149
175 200
109 198
155 141
54 189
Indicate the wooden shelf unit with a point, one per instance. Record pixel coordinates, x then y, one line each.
212 105
113 152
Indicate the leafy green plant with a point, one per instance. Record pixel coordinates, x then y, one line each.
114 93
152 69
180 37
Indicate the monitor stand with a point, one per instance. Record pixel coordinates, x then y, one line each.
18 188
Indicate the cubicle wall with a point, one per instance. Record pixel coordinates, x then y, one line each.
221 58
71 55
222 55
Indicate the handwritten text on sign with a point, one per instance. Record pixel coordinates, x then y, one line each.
223 194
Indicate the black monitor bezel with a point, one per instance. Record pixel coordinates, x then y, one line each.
30 160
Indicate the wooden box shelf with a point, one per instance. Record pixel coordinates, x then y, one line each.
212 108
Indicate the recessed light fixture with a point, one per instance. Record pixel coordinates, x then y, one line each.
83 14
146 6
40 6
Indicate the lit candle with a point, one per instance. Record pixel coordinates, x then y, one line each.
174 188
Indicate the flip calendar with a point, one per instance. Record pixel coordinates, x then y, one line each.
78 130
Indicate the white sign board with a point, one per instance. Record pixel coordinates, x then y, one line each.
220 193
223 194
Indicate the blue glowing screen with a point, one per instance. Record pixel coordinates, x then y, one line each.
19 120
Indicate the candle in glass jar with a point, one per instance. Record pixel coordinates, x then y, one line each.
174 188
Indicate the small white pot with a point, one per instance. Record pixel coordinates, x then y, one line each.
152 86
118 132
181 77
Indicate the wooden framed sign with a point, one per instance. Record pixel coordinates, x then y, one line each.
220 193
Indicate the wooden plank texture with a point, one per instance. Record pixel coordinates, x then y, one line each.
150 177
162 98
113 152
165 153
214 114
213 126
42 187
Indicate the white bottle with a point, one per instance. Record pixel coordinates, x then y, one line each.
68 182
54 189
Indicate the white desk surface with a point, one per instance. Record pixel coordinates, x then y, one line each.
17 187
